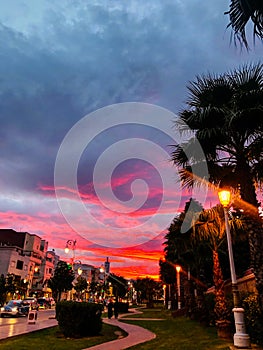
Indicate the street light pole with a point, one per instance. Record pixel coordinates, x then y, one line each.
78 262
178 269
102 270
241 339
71 245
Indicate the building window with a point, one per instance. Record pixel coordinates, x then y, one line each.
25 268
19 265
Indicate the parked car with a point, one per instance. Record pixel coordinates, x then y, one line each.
31 302
15 308
43 303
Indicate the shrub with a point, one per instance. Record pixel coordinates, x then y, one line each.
253 318
203 311
77 319
123 307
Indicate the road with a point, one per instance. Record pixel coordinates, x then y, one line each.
8 325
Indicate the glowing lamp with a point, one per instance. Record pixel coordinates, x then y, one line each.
178 268
224 197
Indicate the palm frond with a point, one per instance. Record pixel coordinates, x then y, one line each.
240 12
248 77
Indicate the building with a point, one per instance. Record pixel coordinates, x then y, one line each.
25 256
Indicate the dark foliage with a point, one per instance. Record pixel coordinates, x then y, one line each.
122 307
62 279
79 319
253 318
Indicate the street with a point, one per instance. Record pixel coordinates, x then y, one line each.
8 325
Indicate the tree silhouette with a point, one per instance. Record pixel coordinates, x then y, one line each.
62 279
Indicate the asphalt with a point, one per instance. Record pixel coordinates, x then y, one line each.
11 330
136 334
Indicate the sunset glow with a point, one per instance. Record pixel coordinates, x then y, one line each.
121 68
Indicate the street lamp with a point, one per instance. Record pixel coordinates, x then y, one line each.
241 339
130 289
102 270
178 270
71 245
79 268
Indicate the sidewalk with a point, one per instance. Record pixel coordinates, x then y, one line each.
136 334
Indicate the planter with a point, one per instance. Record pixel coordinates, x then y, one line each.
224 329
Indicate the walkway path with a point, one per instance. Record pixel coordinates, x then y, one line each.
136 334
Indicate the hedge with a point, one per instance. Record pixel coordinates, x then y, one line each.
79 319
123 307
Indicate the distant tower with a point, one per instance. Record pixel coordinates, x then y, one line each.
107 266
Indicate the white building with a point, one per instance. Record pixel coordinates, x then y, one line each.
26 257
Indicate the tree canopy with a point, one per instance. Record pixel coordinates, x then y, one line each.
62 279
225 113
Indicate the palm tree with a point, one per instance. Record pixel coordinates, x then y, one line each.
210 227
194 257
181 249
225 112
240 12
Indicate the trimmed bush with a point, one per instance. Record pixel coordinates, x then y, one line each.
77 319
123 307
253 318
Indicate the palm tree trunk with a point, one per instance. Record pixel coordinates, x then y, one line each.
221 310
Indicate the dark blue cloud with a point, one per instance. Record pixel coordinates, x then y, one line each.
60 61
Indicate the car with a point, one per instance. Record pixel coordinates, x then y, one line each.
15 308
31 302
43 303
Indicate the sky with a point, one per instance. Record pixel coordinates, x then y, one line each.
90 91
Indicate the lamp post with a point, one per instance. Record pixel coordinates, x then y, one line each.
71 245
164 295
130 289
102 270
241 339
178 270
78 262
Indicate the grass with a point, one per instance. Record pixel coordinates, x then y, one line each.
171 333
53 339
177 333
